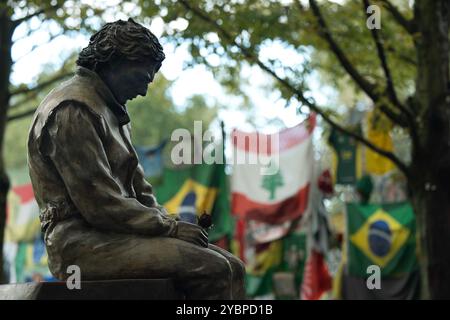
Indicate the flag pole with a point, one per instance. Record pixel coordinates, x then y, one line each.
225 184
222 127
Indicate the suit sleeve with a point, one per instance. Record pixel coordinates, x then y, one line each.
75 148
144 192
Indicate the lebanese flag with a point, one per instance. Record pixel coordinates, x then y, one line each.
277 197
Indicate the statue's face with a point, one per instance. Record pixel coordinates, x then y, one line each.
129 79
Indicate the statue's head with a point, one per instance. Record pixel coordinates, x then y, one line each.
126 55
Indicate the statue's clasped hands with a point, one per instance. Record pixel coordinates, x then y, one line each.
192 233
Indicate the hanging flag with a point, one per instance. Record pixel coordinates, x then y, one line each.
382 235
378 129
403 287
22 214
289 277
347 157
151 159
316 279
191 191
282 194
325 183
26 258
262 260
239 239
275 267
263 232
31 262
318 216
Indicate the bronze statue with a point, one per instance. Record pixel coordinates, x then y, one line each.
97 211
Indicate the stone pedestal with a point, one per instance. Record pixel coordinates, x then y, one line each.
155 289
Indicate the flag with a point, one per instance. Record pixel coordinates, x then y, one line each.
275 267
191 191
26 257
347 157
316 279
22 214
378 128
403 287
262 260
290 276
31 262
263 232
318 215
151 159
281 195
382 235
254 231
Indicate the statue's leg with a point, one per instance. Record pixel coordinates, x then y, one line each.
201 273
238 272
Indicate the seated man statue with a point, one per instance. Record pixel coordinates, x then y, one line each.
96 209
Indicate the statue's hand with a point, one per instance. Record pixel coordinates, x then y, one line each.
192 233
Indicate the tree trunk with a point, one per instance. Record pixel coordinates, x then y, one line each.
430 180
6 32
437 220
418 202
431 203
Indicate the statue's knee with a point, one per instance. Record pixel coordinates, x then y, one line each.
220 268
238 268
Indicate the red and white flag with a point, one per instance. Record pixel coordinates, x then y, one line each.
279 195
316 279
22 223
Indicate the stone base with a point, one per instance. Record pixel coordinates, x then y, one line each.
155 289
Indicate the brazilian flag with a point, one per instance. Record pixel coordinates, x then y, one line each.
382 235
191 191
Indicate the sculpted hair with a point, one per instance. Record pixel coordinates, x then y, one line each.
118 40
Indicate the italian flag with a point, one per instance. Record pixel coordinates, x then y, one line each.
283 194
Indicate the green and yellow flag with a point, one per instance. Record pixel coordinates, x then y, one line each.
286 255
190 191
378 133
382 235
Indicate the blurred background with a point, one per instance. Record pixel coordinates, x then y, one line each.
257 67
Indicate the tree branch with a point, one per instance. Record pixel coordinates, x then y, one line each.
30 31
33 93
34 14
366 86
295 91
26 98
35 46
21 115
16 105
39 86
389 82
50 7
408 25
407 59
384 64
